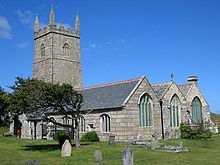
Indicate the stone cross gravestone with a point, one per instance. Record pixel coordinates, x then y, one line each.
66 149
32 162
97 156
127 157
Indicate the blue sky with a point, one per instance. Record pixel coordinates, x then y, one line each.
123 39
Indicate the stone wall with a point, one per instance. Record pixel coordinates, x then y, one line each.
132 114
56 67
125 122
173 90
27 129
195 92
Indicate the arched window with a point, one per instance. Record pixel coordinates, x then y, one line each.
82 125
42 50
146 111
66 50
196 110
105 123
66 120
175 112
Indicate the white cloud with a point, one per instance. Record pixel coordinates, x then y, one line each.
116 44
5 28
92 45
22 45
26 17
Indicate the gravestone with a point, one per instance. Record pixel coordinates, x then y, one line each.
127 157
155 144
66 149
155 135
166 136
111 139
32 162
140 140
97 156
49 135
140 137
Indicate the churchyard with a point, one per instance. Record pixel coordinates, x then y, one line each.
18 151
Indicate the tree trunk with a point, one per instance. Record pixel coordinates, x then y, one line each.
15 125
77 134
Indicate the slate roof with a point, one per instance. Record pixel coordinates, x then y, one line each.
40 114
104 96
161 88
107 96
184 88
37 115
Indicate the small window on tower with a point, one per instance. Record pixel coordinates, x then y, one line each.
42 49
66 50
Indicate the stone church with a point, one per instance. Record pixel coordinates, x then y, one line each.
124 109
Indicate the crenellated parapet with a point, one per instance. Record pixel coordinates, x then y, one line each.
57 52
53 28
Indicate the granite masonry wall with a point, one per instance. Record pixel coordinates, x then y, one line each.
173 132
195 92
55 66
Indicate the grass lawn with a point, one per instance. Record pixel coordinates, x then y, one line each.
15 151
3 130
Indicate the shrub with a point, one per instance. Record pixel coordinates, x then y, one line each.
61 136
185 131
90 137
198 133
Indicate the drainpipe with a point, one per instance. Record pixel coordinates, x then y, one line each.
35 130
161 110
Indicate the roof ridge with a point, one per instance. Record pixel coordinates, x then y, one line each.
184 84
163 83
109 84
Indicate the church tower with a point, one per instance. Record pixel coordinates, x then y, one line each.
57 53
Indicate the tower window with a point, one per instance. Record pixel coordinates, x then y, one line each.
42 50
66 50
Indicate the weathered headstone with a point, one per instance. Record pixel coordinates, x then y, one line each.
97 156
32 162
127 157
49 135
66 149
140 137
111 139
155 144
140 140
166 135
155 135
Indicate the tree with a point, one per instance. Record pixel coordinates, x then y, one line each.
30 95
3 105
